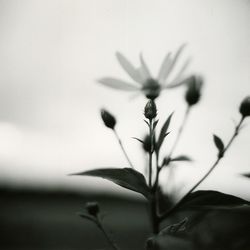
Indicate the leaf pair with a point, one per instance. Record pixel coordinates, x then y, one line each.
124 177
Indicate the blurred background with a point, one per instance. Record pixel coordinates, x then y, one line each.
51 55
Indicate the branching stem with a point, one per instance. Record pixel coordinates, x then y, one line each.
220 156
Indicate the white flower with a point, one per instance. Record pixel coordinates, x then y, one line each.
143 80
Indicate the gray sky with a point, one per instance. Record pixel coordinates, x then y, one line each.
52 52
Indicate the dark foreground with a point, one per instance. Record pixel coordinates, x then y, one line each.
45 220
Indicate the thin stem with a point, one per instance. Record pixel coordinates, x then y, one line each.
220 156
122 148
150 153
177 139
109 239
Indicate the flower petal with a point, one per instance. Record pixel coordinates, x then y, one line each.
164 68
117 84
129 68
178 80
144 68
173 62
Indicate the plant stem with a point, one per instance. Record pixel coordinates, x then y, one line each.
150 153
184 121
220 156
177 139
122 148
109 239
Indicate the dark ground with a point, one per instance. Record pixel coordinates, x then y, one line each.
44 220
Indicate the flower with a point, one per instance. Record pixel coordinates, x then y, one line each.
245 107
144 82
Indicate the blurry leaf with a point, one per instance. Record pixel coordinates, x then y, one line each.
87 217
246 175
163 132
124 177
215 221
177 227
117 84
218 143
129 68
139 140
181 158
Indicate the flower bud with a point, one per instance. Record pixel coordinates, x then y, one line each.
108 119
193 93
245 107
150 111
92 208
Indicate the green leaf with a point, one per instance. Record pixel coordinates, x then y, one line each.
163 132
181 158
218 143
124 177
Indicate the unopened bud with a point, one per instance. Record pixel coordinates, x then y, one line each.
193 92
92 208
245 107
108 119
150 111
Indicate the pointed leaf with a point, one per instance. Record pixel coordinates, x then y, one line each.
124 177
181 158
88 217
117 84
163 132
129 68
139 140
175 228
218 143
246 175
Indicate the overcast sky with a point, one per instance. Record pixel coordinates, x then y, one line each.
52 52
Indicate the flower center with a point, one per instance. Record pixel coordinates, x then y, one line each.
151 88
